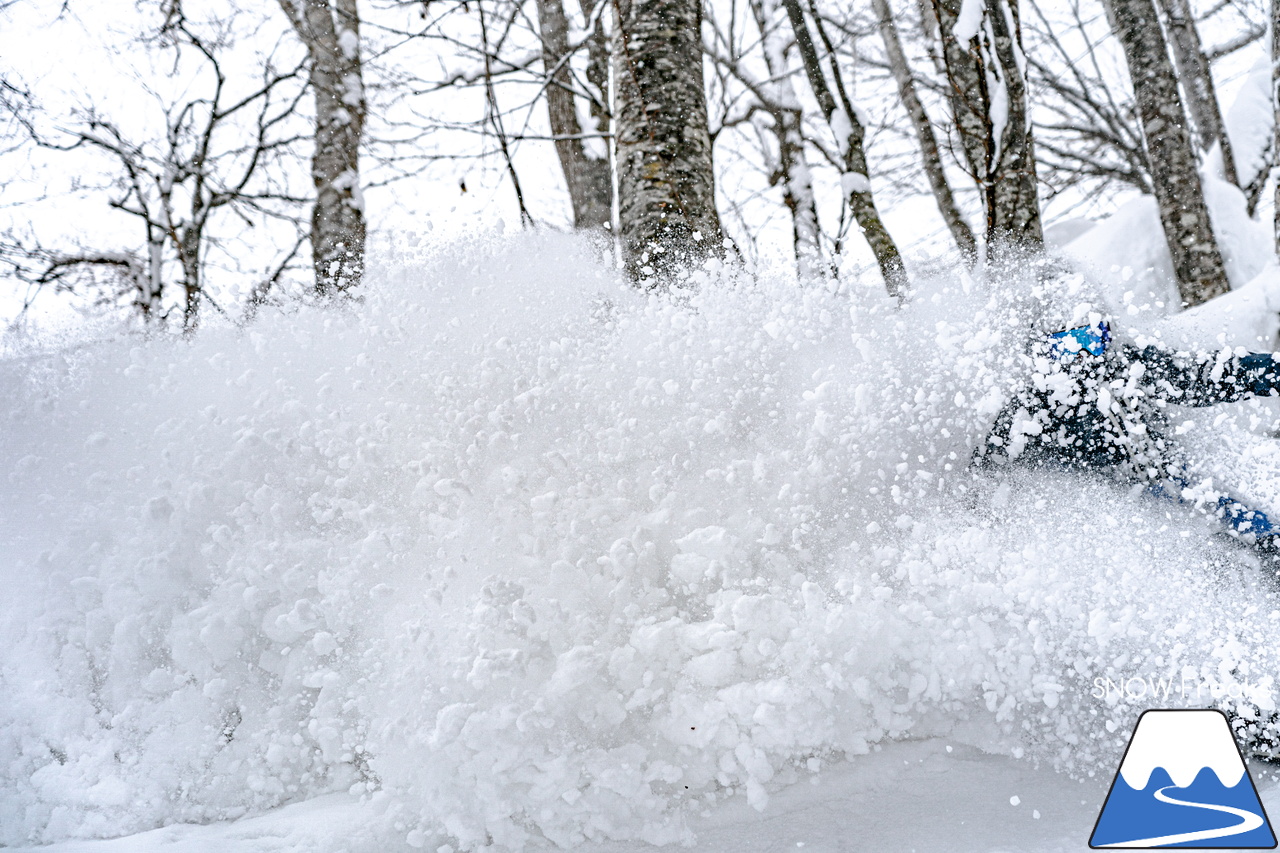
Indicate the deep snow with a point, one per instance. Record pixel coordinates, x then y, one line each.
924 796
915 797
511 554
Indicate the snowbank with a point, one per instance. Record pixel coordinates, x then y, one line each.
516 552
1251 120
1126 256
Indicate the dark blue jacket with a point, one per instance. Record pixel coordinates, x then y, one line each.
1108 411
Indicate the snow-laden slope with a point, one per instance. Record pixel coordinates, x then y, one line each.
917 797
523 556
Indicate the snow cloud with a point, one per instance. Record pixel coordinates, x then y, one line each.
519 552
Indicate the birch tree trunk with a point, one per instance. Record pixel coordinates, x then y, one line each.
1179 193
983 59
594 12
588 178
330 30
666 188
785 112
932 159
850 135
189 243
1275 106
1197 82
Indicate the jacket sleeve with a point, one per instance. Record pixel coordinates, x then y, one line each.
1203 379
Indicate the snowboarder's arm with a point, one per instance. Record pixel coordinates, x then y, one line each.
1207 378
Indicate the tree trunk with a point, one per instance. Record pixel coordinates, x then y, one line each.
1197 82
189 241
588 178
967 80
186 237
937 176
597 85
1275 105
989 102
597 63
785 113
330 30
1183 213
850 135
932 35
151 300
666 188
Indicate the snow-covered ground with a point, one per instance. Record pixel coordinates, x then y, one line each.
914 797
512 555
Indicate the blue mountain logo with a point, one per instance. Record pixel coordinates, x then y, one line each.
1182 783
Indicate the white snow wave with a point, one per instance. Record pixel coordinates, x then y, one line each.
519 552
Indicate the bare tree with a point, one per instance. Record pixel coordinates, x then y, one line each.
523 70
1088 133
983 60
107 278
330 31
786 120
588 177
212 158
1183 213
1197 83
15 104
923 128
666 195
850 135
774 112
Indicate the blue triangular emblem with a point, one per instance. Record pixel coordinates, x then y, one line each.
1182 783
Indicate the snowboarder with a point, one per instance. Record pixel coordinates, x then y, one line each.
1095 403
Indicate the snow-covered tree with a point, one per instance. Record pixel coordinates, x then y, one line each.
1183 213
922 126
849 129
330 30
1197 83
218 142
982 54
762 65
787 117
